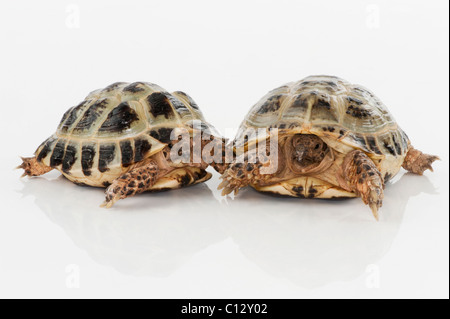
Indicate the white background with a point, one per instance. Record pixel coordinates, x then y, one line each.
56 242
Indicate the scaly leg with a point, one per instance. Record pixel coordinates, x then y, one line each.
32 167
417 162
236 176
363 178
135 181
241 174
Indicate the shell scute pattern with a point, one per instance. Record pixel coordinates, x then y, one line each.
107 152
71 115
91 115
118 120
88 153
272 104
162 134
115 127
329 107
159 105
321 110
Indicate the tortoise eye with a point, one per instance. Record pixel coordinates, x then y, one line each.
317 146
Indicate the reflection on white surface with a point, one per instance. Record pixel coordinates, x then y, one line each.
308 242
314 242
150 234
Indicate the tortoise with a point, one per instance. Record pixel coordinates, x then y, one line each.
119 137
335 140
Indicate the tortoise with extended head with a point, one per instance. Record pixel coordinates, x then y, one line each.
335 139
119 137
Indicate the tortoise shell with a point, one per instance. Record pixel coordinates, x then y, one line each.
115 127
346 116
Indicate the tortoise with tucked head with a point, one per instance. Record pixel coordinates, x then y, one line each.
335 139
119 137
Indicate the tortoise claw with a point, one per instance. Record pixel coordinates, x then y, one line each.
32 167
222 184
227 190
417 162
108 204
111 197
230 185
374 207
23 165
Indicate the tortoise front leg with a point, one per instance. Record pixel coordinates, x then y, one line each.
364 178
236 176
241 174
32 167
417 162
135 181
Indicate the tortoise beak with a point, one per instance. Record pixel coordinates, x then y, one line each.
299 153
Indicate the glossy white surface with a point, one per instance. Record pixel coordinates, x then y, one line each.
56 242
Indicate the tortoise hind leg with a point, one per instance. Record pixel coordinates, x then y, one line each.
32 167
363 178
417 162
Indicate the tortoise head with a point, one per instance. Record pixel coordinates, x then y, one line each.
306 152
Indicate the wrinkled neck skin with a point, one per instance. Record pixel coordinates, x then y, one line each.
307 155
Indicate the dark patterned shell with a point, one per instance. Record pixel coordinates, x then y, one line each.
342 113
115 127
